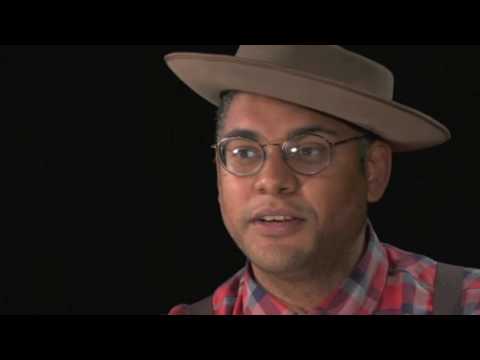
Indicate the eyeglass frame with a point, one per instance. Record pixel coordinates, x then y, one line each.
331 147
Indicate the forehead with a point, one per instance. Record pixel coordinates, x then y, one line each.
272 118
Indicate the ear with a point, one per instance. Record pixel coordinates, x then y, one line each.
378 170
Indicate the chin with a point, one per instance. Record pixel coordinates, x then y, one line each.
279 261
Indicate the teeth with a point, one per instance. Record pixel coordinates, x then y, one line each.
277 218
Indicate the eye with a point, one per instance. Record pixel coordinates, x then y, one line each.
308 150
311 151
245 153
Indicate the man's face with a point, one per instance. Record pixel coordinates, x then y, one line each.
329 210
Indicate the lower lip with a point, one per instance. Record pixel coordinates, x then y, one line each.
278 229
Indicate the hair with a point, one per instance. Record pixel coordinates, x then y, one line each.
227 97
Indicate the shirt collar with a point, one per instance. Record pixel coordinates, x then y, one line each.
359 294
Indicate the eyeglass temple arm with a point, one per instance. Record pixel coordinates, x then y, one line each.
351 139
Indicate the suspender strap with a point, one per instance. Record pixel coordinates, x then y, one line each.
203 307
448 293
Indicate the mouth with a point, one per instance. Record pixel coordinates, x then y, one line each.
277 223
275 219
276 215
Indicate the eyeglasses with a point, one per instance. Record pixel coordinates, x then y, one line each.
307 154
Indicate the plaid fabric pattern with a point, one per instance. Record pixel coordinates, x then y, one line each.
386 281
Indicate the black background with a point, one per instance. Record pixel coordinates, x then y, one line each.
109 197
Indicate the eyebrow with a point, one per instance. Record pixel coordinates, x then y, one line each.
252 135
312 129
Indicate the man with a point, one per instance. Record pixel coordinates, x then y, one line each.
305 141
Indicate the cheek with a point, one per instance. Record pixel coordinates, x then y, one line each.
334 200
232 197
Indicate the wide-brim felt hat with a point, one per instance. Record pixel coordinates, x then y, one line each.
325 78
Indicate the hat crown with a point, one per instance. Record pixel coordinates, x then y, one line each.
330 62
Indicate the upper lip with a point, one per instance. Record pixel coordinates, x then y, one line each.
260 214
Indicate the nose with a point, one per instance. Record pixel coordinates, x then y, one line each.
276 177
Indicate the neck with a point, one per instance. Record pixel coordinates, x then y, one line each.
306 290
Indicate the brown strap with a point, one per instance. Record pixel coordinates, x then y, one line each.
203 307
448 295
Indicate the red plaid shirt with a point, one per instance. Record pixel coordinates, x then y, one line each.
386 281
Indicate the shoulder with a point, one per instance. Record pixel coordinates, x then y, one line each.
202 307
181 309
411 268
420 272
472 292
222 300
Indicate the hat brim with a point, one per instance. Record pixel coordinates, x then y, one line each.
404 128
